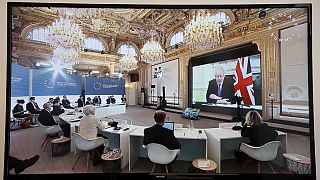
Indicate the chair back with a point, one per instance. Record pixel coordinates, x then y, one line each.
159 154
87 144
267 152
56 118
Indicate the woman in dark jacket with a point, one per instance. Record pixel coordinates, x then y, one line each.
18 111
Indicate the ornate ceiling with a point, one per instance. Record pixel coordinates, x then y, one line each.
121 25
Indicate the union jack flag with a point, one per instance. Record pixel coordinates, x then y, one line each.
243 85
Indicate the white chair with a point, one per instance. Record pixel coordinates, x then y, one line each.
265 153
50 131
15 123
56 118
86 146
159 154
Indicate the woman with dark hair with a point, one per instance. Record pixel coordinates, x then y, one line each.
18 111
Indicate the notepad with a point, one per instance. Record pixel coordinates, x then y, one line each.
203 163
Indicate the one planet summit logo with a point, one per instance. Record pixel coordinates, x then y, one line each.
96 85
49 83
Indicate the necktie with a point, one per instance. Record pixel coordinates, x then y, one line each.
219 90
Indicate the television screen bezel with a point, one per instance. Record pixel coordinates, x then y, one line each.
10 5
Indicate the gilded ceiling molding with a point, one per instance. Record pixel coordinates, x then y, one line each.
29 28
229 13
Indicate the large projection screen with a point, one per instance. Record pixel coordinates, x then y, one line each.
168 78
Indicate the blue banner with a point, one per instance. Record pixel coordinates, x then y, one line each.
105 86
46 83
19 81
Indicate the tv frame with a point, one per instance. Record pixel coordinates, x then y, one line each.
10 5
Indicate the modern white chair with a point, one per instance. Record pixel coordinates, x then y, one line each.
56 118
50 131
86 146
159 154
265 153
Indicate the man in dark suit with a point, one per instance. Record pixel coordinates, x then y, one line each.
221 89
160 135
99 100
32 106
80 102
45 117
66 103
57 109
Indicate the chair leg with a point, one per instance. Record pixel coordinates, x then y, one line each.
258 164
88 156
81 154
167 169
45 146
245 164
153 168
44 141
271 167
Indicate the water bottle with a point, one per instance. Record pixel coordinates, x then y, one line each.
191 125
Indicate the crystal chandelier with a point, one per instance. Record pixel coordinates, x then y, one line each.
152 51
203 32
65 33
128 63
66 56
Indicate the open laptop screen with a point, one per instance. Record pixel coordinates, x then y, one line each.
169 125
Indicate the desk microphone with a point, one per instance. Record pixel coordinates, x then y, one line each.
236 128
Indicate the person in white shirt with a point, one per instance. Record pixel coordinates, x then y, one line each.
89 124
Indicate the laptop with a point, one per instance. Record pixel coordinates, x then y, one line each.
169 125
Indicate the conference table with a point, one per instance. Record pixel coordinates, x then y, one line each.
223 141
193 144
70 119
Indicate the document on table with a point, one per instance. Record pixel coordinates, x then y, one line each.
203 163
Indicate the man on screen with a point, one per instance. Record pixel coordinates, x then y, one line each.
220 89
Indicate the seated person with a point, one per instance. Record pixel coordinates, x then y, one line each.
109 100
80 102
50 100
160 135
89 101
259 133
95 100
18 111
220 89
45 117
57 109
32 106
90 126
113 100
66 103
99 100
20 165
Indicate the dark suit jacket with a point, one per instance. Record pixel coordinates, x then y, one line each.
66 103
161 135
259 135
227 89
19 108
46 119
57 110
33 109
108 101
80 102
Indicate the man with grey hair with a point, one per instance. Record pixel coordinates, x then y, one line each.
45 117
220 89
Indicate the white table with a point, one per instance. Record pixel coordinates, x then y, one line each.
112 109
223 141
193 144
119 139
67 120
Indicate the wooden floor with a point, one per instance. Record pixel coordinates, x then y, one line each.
25 143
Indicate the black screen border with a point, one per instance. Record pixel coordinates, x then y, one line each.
10 5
